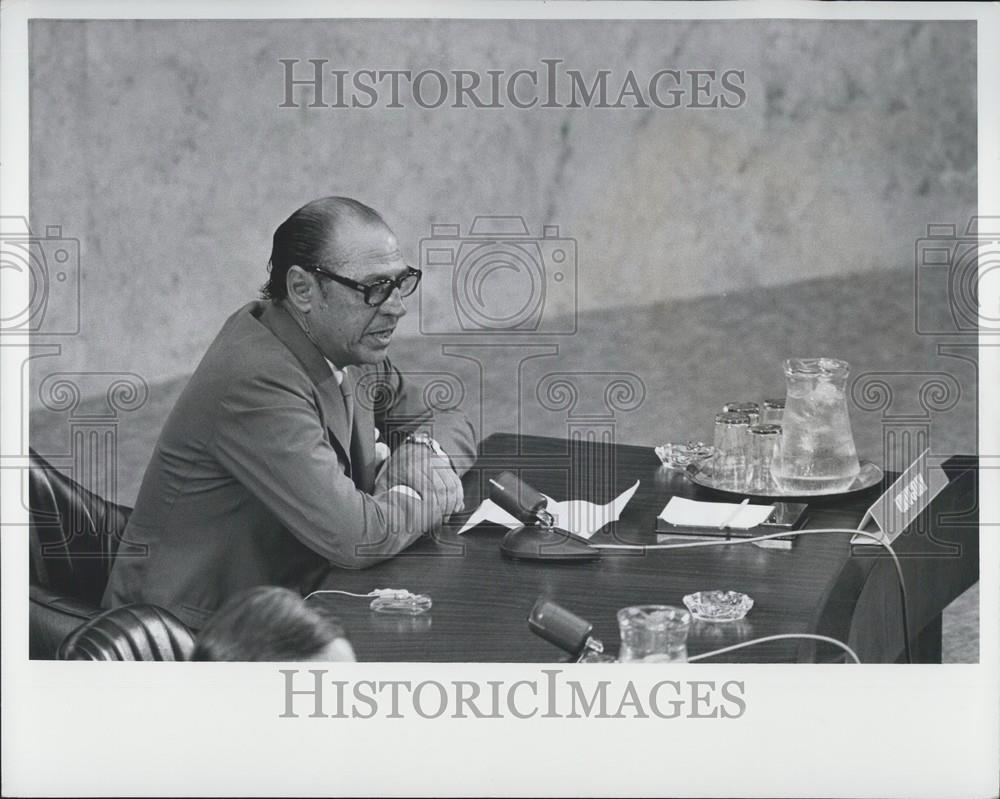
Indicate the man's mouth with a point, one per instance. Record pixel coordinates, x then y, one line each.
383 336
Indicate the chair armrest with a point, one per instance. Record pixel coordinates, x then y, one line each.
51 617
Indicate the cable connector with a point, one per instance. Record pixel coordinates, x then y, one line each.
392 593
388 600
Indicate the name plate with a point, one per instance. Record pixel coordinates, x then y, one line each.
905 500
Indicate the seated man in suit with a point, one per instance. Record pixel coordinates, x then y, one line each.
267 470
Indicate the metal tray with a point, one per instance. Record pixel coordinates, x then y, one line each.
870 475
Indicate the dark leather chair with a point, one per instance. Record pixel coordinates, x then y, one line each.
73 537
51 617
130 632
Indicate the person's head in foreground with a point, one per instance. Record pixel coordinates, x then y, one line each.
269 623
336 268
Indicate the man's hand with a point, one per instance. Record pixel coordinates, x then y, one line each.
430 475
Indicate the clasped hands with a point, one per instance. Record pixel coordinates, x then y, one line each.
430 475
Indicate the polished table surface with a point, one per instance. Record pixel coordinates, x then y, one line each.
822 585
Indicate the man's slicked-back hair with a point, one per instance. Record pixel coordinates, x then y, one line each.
266 623
303 238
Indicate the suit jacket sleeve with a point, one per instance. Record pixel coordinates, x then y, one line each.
270 437
401 407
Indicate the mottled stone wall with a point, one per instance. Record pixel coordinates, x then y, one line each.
161 146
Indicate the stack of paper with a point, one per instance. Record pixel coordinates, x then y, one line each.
577 515
682 512
686 519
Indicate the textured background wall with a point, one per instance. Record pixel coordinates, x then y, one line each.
161 146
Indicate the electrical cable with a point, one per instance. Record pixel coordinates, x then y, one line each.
743 644
815 531
385 593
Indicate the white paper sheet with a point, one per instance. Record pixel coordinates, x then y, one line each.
689 513
579 516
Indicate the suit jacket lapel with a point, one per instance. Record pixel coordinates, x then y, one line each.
287 330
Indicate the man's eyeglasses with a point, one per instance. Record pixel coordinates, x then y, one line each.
378 292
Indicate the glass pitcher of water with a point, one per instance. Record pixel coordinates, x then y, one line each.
817 453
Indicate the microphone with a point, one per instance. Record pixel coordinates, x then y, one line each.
564 629
520 500
537 538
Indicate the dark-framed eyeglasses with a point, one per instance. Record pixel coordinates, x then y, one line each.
378 292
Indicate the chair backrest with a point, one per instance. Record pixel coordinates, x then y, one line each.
74 533
130 632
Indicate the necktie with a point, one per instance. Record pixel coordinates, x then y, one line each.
347 390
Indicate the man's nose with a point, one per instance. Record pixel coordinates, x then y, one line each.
394 306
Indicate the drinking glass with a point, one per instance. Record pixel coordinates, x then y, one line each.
730 460
653 634
751 409
598 657
765 439
772 411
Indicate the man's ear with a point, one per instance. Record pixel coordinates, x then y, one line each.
301 288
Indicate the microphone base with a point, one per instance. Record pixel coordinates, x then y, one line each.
551 544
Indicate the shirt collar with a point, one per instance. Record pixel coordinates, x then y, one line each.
338 375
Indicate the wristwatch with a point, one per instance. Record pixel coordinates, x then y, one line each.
426 440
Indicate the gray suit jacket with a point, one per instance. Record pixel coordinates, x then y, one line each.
260 477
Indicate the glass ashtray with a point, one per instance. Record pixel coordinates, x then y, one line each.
680 456
718 606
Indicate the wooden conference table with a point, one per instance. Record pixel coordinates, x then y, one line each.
482 598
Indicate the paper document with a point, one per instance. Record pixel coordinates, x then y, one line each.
576 515
689 513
